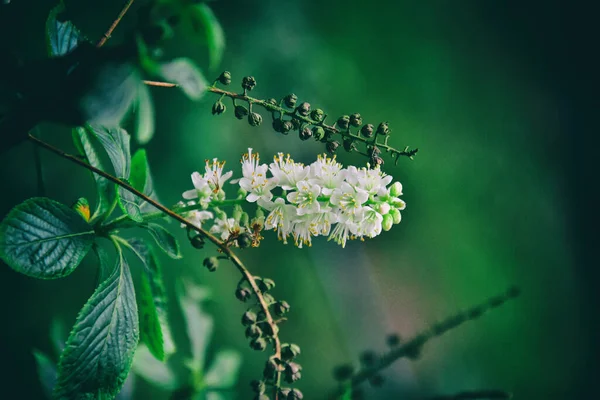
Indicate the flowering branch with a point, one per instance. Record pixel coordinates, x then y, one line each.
223 247
372 364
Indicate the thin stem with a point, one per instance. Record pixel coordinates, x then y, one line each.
110 30
222 247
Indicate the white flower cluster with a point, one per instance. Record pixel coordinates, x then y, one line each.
302 201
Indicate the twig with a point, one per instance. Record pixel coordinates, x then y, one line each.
110 30
225 249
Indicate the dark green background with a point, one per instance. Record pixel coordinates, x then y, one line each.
498 97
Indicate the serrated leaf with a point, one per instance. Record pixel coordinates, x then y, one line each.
126 392
203 18
101 346
129 203
116 142
62 37
144 115
152 301
46 370
154 371
165 240
104 264
186 75
223 372
44 239
141 179
199 324
87 144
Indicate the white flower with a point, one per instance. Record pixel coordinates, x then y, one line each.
224 227
306 197
197 217
370 223
301 231
327 173
321 222
255 180
280 217
202 190
343 230
372 180
214 175
287 172
349 198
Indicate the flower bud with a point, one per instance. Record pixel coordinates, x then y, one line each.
268 329
253 332
388 222
241 193
218 108
318 132
248 83
295 394
258 344
396 189
240 112
271 367
292 373
395 213
254 119
290 100
248 318
286 127
272 101
303 109
244 218
197 242
289 351
264 284
383 129
211 263
258 386
398 203
317 115
305 133
296 123
269 299
225 78
281 308
343 122
367 130
355 120
331 147
243 294
278 125
383 208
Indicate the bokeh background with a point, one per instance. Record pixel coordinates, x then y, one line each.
495 94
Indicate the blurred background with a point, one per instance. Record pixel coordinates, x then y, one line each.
495 94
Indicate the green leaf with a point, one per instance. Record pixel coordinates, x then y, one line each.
154 371
87 144
223 372
165 240
44 239
144 115
141 179
199 324
116 142
129 203
202 15
101 346
46 369
152 302
186 75
62 37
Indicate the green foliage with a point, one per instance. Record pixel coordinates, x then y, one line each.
44 239
100 348
165 240
116 142
144 115
202 17
141 179
129 203
62 37
46 369
186 75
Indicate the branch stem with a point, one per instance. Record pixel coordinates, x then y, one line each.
116 22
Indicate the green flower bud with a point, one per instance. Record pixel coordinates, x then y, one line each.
258 386
242 193
286 127
295 394
272 101
303 109
197 242
367 130
305 133
343 122
292 373
331 147
258 344
355 120
383 208
269 299
211 263
254 119
296 123
243 294
398 203
225 78
396 189
248 318
317 115
388 222
318 132
271 367
395 213
253 332
248 83
244 219
290 100
218 108
281 308
240 112
383 129
289 351
264 284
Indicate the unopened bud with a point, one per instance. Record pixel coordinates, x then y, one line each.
290 100
305 133
343 122
331 147
258 344
395 213
396 189
248 83
383 129
218 108
211 263
254 119
367 130
225 78
243 294
388 222
303 109
355 120
318 132
317 115
240 112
